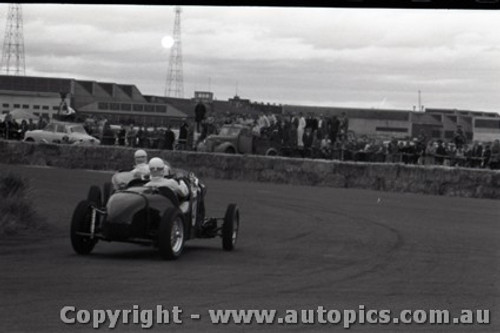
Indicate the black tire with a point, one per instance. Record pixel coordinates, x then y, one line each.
29 140
107 189
171 234
230 150
230 227
94 196
82 217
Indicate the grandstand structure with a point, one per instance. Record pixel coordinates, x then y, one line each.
125 103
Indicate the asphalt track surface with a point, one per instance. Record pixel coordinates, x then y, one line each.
299 247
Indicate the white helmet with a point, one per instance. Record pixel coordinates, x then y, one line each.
156 163
140 153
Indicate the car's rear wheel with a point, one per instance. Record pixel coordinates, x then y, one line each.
95 196
29 140
171 234
230 150
81 223
230 227
106 192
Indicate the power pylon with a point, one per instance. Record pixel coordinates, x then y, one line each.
175 84
13 43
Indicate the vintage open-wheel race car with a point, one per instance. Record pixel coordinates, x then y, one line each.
134 213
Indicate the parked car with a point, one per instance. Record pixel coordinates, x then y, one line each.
61 132
236 138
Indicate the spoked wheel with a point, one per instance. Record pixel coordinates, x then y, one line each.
94 196
171 235
81 223
230 227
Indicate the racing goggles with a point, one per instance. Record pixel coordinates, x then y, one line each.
154 169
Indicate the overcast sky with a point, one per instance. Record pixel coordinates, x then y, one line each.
352 57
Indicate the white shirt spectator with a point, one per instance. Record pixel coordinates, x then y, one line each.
300 131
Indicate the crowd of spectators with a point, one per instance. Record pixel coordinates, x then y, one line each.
297 135
330 138
131 135
14 129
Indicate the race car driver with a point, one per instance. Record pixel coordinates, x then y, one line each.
159 170
141 169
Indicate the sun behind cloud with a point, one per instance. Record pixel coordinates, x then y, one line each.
167 42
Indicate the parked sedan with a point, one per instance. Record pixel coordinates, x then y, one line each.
61 132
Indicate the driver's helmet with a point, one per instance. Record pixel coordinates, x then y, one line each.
140 156
157 167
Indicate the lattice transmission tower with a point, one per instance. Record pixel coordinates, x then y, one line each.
13 43
175 84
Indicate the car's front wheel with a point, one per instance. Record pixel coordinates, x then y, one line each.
171 234
95 195
81 223
230 227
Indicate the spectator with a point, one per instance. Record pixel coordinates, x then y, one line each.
9 125
169 138
183 135
108 137
41 122
200 110
326 148
308 140
121 136
154 138
343 126
263 122
486 156
131 136
272 119
23 128
286 132
322 128
459 158
333 128
31 125
142 137
441 153
393 153
476 154
459 137
294 125
300 131
494 162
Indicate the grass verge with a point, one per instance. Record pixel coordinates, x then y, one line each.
17 212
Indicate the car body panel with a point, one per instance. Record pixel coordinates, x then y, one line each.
61 132
241 139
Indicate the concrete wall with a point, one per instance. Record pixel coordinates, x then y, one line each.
437 180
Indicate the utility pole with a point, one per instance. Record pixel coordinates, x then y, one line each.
13 44
175 84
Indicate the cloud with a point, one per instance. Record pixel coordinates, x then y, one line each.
279 54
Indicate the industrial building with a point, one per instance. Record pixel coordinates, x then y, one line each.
122 103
